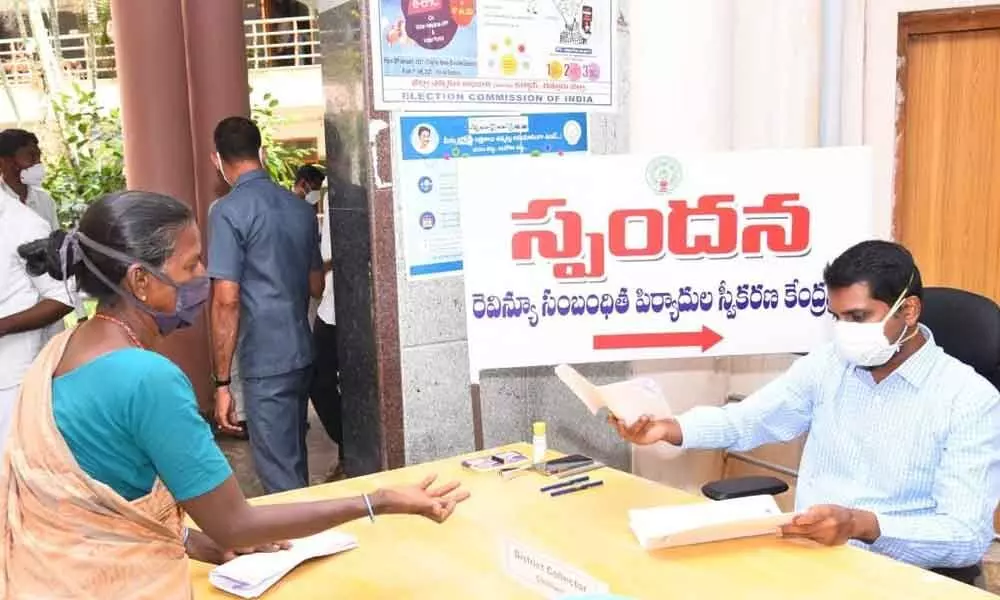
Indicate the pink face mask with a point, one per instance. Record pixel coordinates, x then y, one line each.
191 296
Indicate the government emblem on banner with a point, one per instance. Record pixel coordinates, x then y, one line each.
664 174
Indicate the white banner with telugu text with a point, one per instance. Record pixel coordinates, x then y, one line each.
617 258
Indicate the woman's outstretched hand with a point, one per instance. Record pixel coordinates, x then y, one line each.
229 555
203 548
434 503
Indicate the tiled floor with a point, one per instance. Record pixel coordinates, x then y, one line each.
322 457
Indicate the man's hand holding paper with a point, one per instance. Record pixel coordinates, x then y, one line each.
626 400
833 525
647 430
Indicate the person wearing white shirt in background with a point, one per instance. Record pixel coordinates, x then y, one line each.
325 388
27 304
23 172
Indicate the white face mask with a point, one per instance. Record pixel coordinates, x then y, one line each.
313 197
222 171
33 175
865 344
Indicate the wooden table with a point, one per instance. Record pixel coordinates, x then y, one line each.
408 557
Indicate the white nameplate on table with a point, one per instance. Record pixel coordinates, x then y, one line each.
688 524
250 575
549 577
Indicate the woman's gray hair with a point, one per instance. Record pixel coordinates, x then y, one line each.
139 225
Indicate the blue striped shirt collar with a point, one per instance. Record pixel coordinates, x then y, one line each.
917 368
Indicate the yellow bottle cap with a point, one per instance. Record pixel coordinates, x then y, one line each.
538 428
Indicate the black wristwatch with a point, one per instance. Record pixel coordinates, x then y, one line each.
221 383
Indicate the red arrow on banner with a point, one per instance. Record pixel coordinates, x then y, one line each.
704 339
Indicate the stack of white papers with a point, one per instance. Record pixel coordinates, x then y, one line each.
250 575
627 400
687 524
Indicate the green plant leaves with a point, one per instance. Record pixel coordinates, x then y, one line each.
91 163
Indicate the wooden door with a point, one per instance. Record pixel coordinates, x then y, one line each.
948 165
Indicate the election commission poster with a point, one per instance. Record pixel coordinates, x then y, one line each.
494 55
430 149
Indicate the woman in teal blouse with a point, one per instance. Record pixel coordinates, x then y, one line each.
135 446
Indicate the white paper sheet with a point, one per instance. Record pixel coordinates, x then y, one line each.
688 524
627 400
250 575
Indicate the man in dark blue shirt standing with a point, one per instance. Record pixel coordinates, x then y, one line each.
264 260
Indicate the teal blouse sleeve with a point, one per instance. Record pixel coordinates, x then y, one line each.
167 427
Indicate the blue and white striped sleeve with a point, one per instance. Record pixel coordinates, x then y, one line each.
966 491
780 411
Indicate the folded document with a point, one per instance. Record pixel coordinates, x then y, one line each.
250 575
627 400
688 524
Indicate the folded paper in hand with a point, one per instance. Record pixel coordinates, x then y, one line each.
688 524
627 400
250 575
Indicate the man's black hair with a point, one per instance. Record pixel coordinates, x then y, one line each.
12 140
312 175
237 138
422 129
886 267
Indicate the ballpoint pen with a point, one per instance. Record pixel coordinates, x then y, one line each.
578 488
562 484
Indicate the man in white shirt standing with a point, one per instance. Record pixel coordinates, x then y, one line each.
325 388
27 304
23 172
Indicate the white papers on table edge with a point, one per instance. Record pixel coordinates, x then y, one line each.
251 575
703 522
628 400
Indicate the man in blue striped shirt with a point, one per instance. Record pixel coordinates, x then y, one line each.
903 452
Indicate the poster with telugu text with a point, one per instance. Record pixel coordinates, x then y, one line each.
494 55
618 258
430 148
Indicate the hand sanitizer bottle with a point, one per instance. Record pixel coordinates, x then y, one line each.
538 444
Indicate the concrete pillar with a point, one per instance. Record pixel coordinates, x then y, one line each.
729 96
217 83
682 72
156 120
682 58
777 107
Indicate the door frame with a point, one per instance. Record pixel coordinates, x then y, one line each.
912 24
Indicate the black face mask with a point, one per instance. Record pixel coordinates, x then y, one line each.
191 295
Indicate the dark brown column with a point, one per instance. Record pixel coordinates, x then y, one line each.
217 83
152 75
